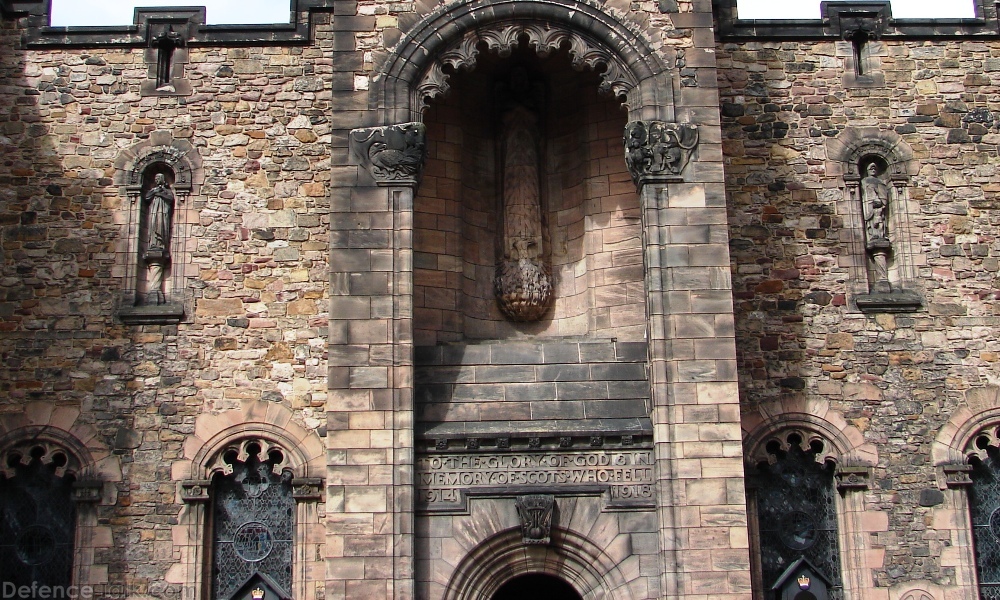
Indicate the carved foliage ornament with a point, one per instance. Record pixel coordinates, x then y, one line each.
656 149
544 38
392 154
535 513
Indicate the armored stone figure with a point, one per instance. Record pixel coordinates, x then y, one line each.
875 204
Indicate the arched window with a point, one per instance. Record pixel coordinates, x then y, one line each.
984 512
37 516
253 520
793 501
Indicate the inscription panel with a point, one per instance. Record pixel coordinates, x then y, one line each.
626 477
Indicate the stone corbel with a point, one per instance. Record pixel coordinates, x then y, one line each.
535 513
87 492
307 489
657 150
195 490
955 475
394 155
853 478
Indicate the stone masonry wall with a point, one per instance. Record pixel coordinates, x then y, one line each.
897 378
256 323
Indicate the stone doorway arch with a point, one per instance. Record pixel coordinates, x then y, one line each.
536 585
570 559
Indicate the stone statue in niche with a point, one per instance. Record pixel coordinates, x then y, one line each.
159 206
875 199
522 283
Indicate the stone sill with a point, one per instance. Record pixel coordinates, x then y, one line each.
160 314
892 302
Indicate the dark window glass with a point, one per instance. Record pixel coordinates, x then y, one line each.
252 520
984 509
37 520
797 516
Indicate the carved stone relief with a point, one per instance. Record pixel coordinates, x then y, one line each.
658 149
544 38
394 155
535 512
522 282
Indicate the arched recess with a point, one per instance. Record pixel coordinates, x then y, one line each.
818 428
448 38
262 428
156 257
47 430
570 557
883 249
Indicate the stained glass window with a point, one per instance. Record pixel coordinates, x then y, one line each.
984 509
253 515
37 520
796 514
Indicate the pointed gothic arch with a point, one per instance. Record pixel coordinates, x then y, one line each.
448 38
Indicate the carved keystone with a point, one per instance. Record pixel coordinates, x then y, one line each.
535 512
656 150
394 154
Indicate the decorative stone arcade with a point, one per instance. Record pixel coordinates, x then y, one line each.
540 433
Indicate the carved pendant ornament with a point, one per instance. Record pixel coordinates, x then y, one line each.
535 514
522 283
658 149
392 154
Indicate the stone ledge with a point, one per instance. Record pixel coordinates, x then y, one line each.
892 302
159 314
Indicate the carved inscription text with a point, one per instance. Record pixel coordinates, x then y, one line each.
627 475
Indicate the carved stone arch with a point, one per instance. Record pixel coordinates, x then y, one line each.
55 429
570 557
958 440
853 145
843 443
268 425
595 36
161 148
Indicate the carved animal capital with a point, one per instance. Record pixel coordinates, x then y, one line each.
656 150
394 154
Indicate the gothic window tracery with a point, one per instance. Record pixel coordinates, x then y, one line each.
793 494
984 512
253 518
37 516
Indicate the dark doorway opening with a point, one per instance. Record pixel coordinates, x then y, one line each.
536 587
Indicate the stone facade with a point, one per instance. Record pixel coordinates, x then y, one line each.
329 289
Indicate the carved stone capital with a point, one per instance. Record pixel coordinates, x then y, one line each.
853 478
307 489
535 513
195 490
956 475
394 155
87 492
657 150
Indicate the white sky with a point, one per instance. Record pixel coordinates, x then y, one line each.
809 9
119 12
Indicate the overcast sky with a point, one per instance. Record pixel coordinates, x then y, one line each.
119 12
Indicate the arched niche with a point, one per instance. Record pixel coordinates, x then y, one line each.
451 38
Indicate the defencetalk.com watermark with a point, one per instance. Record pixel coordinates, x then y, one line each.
107 591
